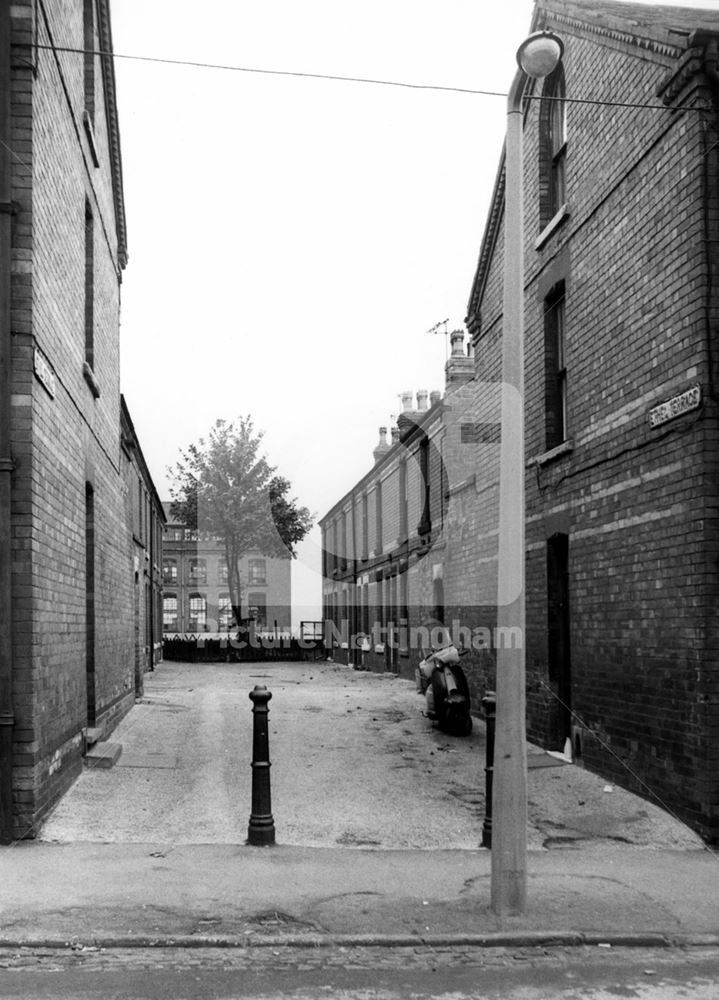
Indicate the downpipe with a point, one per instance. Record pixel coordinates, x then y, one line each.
7 718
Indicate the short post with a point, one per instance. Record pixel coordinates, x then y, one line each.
261 831
489 704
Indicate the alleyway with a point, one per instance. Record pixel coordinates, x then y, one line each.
354 763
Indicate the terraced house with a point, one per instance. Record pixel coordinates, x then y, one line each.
80 522
621 258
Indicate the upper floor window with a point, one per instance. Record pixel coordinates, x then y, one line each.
555 367
378 518
425 524
89 286
222 571
198 571
257 572
169 571
553 147
89 57
403 501
365 527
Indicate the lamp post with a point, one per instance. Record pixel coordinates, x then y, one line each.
537 57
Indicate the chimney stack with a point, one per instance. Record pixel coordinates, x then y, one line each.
460 367
434 397
382 447
421 399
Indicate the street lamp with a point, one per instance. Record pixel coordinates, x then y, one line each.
537 56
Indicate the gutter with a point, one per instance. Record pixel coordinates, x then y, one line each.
7 718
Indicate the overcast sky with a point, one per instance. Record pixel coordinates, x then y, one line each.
292 240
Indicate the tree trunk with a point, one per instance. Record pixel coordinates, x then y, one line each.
233 582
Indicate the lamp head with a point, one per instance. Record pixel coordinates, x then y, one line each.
540 53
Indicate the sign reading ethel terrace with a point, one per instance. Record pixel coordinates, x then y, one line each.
676 406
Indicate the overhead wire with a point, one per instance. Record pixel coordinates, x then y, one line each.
374 81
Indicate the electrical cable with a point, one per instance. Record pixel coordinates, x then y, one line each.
355 79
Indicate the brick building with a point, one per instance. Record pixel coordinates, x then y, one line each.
145 519
72 610
196 597
621 256
384 543
621 314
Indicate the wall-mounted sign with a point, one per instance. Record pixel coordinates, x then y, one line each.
676 406
44 373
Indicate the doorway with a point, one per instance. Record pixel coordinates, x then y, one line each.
558 635
90 604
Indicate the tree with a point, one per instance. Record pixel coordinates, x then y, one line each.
225 488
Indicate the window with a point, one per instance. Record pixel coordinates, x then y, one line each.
198 571
553 147
198 613
169 571
89 286
169 613
222 571
425 524
258 609
403 501
378 513
89 58
555 368
224 613
343 541
257 572
365 528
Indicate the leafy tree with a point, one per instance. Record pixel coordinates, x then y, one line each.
225 488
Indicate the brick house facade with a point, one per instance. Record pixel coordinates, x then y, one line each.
621 257
145 518
67 555
384 543
196 597
621 314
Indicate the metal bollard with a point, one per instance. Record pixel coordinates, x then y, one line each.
261 831
489 704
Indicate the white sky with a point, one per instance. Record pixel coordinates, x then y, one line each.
292 240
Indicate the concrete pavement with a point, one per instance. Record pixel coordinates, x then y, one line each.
378 822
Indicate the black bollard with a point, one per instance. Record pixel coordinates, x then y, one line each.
261 831
489 704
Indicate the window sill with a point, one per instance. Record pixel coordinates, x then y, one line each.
565 448
89 376
552 226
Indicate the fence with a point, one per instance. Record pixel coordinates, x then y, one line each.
241 648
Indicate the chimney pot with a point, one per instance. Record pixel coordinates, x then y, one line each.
456 339
421 399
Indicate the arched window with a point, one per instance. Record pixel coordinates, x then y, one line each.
553 147
198 613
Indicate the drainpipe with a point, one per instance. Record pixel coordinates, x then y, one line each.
711 61
711 68
6 465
